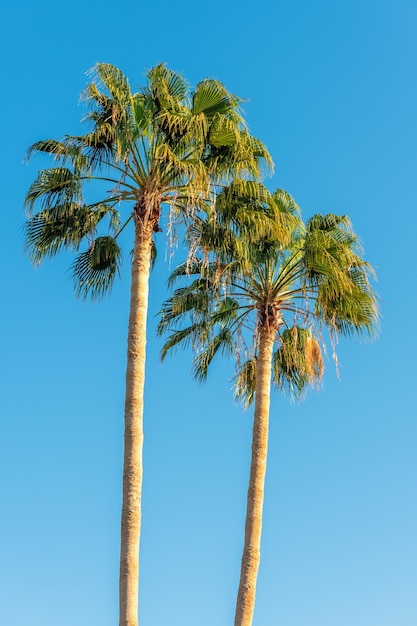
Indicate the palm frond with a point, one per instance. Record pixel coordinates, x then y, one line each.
167 86
64 226
193 335
95 269
245 158
223 343
53 187
223 132
65 151
212 98
194 298
350 311
184 269
112 78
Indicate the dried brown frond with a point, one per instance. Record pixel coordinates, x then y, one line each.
314 363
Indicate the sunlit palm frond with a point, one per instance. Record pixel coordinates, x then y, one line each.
250 209
351 311
185 269
99 146
223 132
194 298
212 99
167 86
66 151
53 187
176 169
262 163
111 99
109 77
245 158
288 216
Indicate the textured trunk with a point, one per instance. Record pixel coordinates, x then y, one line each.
133 438
252 547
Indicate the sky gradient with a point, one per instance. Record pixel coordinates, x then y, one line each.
331 90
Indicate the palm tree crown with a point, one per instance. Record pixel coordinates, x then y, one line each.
163 144
293 288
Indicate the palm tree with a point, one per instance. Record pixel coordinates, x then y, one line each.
267 303
162 146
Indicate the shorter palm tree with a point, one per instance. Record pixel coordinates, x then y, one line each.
268 303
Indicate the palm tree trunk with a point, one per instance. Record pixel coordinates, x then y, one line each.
252 547
133 438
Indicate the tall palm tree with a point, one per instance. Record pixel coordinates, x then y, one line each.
267 303
161 146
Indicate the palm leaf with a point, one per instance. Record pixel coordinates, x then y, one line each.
222 343
165 83
212 98
64 226
95 269
53 187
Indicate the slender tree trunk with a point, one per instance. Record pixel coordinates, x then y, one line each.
252 547
133 438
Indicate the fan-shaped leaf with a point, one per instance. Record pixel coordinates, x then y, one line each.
95 269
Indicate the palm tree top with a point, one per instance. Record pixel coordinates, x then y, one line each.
296 288
164 144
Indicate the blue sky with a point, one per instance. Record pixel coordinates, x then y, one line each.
331 90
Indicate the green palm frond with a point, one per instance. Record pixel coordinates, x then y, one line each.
99 146
246 158
212 98
185 269
338 228
250 209
64 226
102 104
113 80
166 86
286 203
241 192
194 335
53 187
195 298
263 160
177 169
329 249
223 132
50 146
95 269
351 311
218 238
112 104
65 152
222 343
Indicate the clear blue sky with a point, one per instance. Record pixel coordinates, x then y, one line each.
331 89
